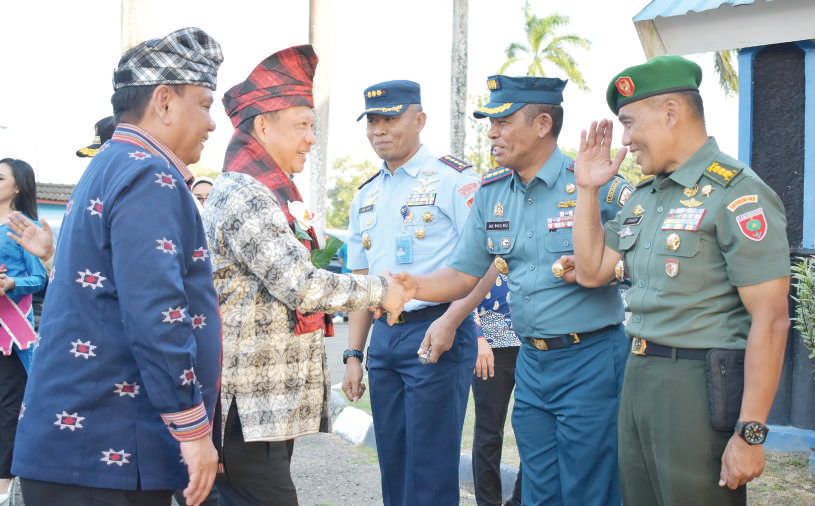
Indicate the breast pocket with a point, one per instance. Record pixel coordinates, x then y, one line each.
679 260
367 221
500 242
559 241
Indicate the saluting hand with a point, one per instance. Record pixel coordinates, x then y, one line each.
593 166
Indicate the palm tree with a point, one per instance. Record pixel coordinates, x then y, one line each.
544 45
724 65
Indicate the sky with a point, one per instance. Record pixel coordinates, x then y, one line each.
57 67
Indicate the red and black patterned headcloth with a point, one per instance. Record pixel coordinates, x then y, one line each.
282 80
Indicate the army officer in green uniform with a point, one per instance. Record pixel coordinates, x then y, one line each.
704 243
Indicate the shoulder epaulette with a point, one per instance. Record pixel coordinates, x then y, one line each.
369 180
721 174
495 174
644 180
455 163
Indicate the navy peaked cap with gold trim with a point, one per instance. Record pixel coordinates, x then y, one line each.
508 94
390 98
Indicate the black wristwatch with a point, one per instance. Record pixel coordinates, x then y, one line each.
352 353
754 433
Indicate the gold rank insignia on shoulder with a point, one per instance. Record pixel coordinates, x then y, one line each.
673 242
570 188
692 202
566 204
499 209
715 168
638 210
366 241
707 190
501 265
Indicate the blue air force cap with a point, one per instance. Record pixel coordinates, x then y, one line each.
508 94
391 98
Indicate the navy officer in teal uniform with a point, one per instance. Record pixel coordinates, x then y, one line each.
408 216
573 351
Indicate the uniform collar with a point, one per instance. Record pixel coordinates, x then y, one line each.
416 162
689 173
548 174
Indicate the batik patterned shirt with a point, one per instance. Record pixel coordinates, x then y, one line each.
263 274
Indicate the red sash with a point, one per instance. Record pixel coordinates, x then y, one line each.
14 326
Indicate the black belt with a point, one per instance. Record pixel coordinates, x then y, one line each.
643 347
425 313
554 343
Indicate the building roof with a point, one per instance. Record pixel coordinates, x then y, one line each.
52 192
699 26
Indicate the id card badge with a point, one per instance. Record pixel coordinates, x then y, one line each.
404 248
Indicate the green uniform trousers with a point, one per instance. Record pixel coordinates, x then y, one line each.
669 453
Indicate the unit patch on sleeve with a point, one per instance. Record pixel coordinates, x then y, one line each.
468 188
747 199
753 224
624 193
683 218
612 190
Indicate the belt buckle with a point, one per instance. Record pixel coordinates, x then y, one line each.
540 344
575 337
638 346
399 319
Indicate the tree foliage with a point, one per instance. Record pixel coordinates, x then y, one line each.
725 67
478 149
347 176
543 45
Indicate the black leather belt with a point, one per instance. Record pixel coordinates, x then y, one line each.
425 313
643 347
554 343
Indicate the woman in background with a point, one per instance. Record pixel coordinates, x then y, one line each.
21 275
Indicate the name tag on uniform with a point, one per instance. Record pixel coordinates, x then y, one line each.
498 225
366 209
404 248
633 220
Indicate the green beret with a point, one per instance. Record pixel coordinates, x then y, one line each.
660 74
